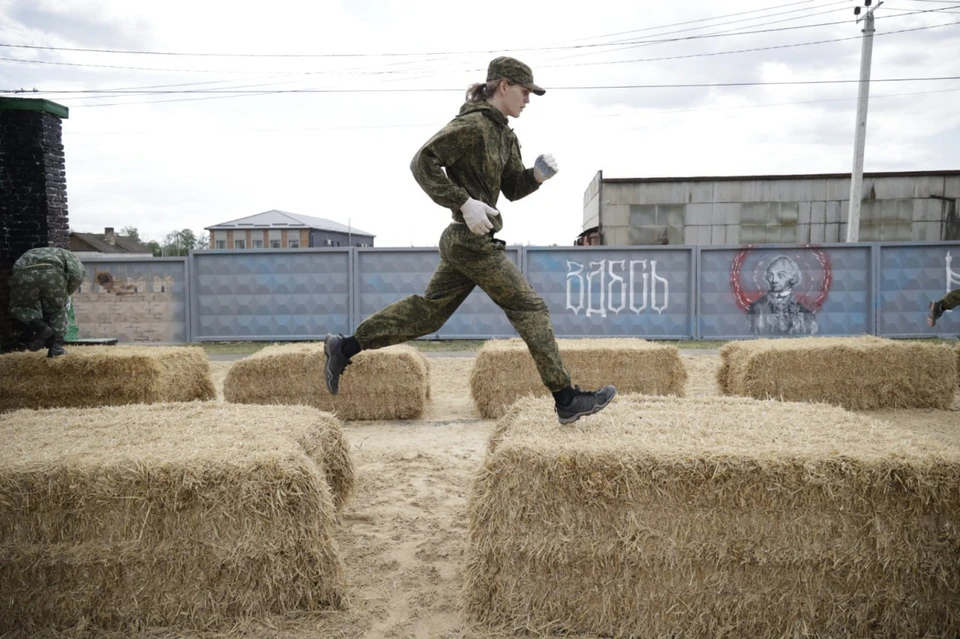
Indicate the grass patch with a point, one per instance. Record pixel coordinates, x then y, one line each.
434 345
691 343
234 348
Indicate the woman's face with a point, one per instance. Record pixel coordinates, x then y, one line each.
515 98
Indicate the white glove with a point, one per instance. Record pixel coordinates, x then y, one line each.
545 167
475 215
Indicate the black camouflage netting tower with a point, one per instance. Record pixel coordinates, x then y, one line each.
33 190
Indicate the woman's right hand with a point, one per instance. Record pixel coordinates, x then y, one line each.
475 215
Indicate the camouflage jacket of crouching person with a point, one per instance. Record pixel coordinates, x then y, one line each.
42 281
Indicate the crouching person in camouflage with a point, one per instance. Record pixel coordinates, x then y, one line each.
41 284
464 168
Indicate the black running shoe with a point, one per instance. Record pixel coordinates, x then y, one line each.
56 348
934 313
336 361
585 403
39 332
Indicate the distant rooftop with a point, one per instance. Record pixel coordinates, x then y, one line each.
795 176
106 242
286 220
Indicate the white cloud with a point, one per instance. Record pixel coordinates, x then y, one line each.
169 161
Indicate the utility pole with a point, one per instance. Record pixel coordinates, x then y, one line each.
860 137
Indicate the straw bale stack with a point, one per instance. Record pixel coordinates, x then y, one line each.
859 373
714 517
90 376
958 364
388 383
504 370
186 515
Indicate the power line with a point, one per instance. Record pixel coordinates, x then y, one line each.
627 44
646 112
632 45
721 24
679 24
388 54
776 30
955 6
752 50
360 71
395 54
737 30
247 72
445 90
381 72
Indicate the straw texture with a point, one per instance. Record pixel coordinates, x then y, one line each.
859 373
714 517
504 370
958 364
389 383
187 515
91 376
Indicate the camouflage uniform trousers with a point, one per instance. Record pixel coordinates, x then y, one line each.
40 292
469 260
951 300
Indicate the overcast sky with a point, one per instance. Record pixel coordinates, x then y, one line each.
316 107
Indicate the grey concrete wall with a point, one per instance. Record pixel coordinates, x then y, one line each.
774 210
661 292
591 202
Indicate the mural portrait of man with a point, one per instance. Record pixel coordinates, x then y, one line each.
779 311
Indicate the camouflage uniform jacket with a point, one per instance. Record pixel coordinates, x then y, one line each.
481 156
59 258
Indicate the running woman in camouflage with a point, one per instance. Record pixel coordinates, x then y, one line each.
464 168
41 284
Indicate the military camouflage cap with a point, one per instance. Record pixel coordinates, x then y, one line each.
511 69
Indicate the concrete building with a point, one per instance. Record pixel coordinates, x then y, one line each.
770 209
283 230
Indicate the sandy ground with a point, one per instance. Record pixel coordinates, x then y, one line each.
403 533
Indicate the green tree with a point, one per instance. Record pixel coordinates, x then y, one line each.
179 243
132 233
155 247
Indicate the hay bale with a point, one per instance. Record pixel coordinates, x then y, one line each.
389 383
958 364
710 517
90 376
188 515
504 370
859 373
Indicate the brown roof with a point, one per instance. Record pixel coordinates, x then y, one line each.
96 242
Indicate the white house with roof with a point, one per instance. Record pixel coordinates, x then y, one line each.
284 230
